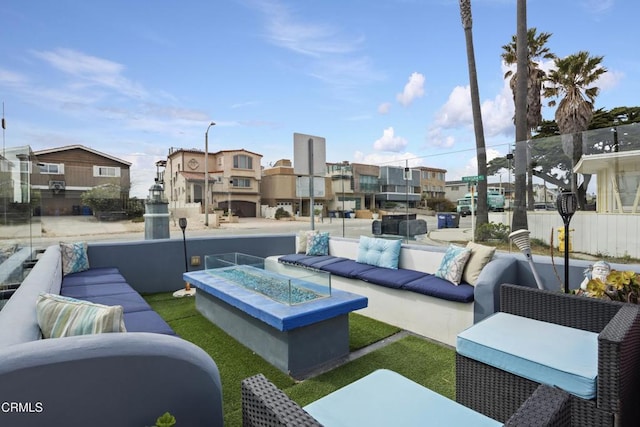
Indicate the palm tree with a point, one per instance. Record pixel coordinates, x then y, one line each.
481 151
572 80
536 51
519 220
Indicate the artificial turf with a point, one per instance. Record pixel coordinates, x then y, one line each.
418 359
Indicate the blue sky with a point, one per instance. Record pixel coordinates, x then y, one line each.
383 81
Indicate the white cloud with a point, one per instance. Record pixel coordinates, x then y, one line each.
412 90
390 142
437 139
384 108
609 80
92 70
400 159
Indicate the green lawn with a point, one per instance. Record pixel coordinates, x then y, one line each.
421 360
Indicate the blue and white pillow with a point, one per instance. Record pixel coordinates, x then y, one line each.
74 257
452 265
318 244
379 252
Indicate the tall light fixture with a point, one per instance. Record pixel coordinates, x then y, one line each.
522 241
187 291
567 203
206 175
342 180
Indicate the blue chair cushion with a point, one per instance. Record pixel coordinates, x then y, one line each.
130 302
389 277
79 279
543 352
434 286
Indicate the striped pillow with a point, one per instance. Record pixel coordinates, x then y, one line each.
60 316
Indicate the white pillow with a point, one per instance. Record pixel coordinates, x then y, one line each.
480 256
302 240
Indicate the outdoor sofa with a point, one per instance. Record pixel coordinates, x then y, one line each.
98 379
487 381
410 295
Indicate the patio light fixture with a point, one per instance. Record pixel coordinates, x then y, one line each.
187 290
567 203
521 239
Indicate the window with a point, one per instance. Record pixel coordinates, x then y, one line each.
241 161
106 171
52 168
241 183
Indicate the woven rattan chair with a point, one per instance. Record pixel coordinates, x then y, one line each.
264 405
498 394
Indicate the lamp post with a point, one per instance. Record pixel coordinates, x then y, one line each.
342 180
566 203
206 175
229 207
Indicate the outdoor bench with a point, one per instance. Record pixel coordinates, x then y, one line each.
118 378
410 296
386 398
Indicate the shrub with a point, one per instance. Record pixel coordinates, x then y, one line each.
282 213
492 231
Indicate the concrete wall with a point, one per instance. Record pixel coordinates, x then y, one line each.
157 265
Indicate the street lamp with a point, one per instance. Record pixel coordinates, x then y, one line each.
229 207
206 175
342 180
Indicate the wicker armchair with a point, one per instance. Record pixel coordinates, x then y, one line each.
498 394
264 405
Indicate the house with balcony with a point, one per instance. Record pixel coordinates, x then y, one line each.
432 182
233 180
281 187
399 185
61 175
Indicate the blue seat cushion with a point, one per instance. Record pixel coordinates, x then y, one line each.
391 278
84 291
441 288
146 321
543 352
130 302
347 268
313 261
78 279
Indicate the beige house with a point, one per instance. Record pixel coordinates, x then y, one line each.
432 182
617 179
233 180
62 174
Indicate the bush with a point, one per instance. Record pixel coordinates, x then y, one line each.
282 213
441 205
492 231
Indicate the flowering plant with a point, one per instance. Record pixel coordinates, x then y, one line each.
618 286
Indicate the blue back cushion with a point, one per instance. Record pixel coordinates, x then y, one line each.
379 252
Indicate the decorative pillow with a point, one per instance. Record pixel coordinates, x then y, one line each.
318 244
303 240
60 316
480 256
379 252
453 263
74 257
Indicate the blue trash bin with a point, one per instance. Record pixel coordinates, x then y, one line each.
442 221
453 220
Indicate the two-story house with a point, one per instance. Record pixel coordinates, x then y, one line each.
233 180
62 174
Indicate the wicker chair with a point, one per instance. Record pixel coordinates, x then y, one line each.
498 394
264 405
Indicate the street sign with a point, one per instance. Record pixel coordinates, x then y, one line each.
473 178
